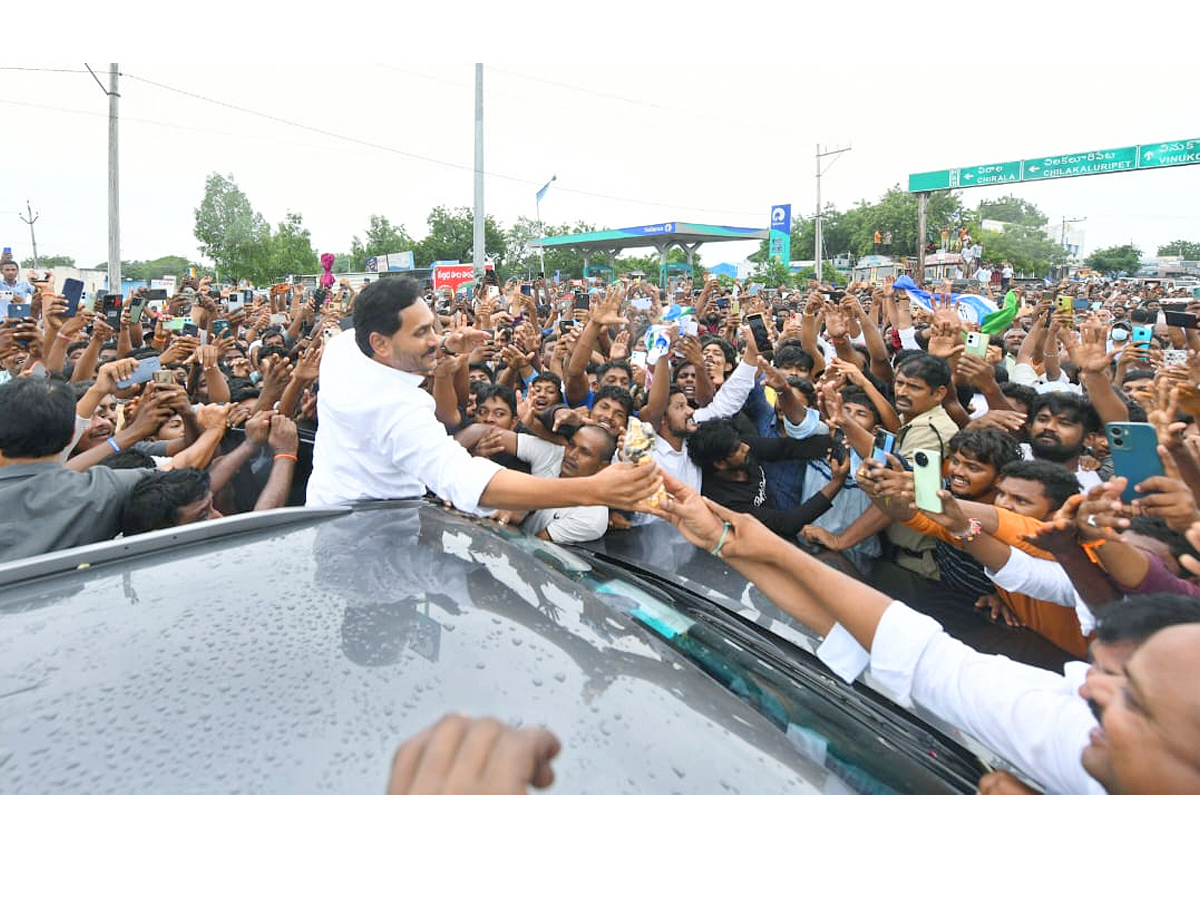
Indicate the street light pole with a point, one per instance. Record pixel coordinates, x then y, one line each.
32 237
817 222
478 253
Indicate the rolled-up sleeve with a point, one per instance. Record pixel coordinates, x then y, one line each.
420 445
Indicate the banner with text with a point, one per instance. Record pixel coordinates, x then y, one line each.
781 233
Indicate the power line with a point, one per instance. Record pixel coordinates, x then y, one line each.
36 69
418 156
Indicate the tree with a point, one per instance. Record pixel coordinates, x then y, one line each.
290 250
1181 248
1026 248
230 232
1012 209
452 236
48 262
1115 260
149 269
382 237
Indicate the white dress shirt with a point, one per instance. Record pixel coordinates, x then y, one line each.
379 438
1031 717
1042 579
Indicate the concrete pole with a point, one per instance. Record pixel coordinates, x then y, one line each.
817 221
477 256
32 236
114 216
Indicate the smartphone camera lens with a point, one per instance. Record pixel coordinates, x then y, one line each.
920 458
1117 442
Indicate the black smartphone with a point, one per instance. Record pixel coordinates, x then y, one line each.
219 326
137 306
759 329
20 310
582 301
155 294
1180 319
73 290
191 329
527 289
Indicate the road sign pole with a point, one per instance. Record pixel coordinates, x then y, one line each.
922 215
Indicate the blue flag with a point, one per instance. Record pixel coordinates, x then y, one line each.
542 193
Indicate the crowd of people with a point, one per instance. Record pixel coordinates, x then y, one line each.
956 487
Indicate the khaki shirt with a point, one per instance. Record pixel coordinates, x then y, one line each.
930 430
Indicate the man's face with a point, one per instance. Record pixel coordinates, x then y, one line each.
199 511
494 411
617 376
738 460
610 415
685 377
914 396
475 376
274 340
413 348
103 424
1023 496
1013 340
679 417
9 271
171 429
1148 741
796 372
584 454
107 356
1056 437
543 395
714 363
970 479
863 415
1137 384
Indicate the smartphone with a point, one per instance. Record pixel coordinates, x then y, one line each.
1081 303
759 329
735 307
640 303
164 376
87 303
1097 305
1143 334
219 325
175 324
493 292
1180 319
977 343
1134 449
1175 357
754 289
190 328
144 372
155 294
1066 304
582 301
137 306
278 318
235 303
885 443
927 479
527 289
73 290
20 310
722 302
637 357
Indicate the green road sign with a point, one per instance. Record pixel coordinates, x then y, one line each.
1169 153
1091 162
1067 165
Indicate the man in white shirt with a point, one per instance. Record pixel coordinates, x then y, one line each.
1148 736
379 439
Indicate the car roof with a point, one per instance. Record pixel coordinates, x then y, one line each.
292 652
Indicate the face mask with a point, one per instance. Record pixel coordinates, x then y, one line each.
1119 334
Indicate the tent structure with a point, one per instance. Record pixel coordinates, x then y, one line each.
662 237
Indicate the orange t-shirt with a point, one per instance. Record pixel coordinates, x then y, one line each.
1057 624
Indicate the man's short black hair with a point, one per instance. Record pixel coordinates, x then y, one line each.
1143 615
503 391
550 377
378 309
1138 375
1022 393
1059 402
852 393
713 441
156 500
608 448
616 392
791 357
805 387
931 369
37 417
1058 483
990 446
130 458
614 364
481 367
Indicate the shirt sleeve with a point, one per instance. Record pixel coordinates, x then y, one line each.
1159 579
419 444
577 524
730 397
1042 579
811 425
782 449
908 338
1027 715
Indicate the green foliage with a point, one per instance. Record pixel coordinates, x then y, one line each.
149 269
1185 249
773 273
1012 209
381 237
230 232
452 236
48 262
290 251
1027 249
1115 260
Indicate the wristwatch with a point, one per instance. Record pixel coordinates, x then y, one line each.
446 350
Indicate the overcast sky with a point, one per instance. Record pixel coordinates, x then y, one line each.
703 138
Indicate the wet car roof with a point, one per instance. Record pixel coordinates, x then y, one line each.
291 652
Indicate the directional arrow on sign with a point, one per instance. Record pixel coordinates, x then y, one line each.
1033 168
968 176
1149 154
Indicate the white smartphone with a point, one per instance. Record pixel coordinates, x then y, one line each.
977 343
927 480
